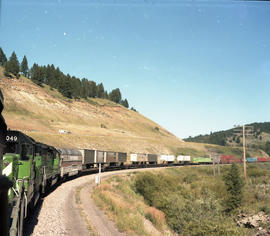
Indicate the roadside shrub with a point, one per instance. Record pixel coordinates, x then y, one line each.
103 126
234 184
255 171
154 188
156 216
190 178
265 209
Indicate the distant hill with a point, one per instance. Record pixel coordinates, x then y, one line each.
258 138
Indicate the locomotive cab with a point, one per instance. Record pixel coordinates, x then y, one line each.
18 162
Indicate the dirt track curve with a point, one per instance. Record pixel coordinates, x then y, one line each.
69 210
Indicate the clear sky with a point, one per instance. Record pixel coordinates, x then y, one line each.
191 66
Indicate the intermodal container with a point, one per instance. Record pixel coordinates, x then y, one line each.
133 157
111 157
182 158
138 157
202 160
99 156
263 159
152 158
224 159
122 157
251 159
167 158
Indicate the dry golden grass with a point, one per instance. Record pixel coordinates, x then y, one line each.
95 123
129 212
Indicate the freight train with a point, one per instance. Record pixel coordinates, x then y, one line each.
33 167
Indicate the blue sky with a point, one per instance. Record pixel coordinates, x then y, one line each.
191 66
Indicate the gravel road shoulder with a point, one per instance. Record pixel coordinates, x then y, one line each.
60 213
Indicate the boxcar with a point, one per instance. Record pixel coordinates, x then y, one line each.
71 162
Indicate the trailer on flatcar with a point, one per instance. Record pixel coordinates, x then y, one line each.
167 159
138 158
202 160
182 159
152 159
71 162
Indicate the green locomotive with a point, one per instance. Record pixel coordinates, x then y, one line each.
32 167
4 183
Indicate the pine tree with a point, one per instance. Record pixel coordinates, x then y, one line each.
100 91
124 103
106 96
24 66
3 58
84 86
92 93
234 184
115 95
65 86
37 75
12 65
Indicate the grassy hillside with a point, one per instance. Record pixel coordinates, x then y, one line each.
188 201
258 139
93 123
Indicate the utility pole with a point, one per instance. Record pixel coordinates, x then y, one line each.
244 153
246 130
214 166
216 161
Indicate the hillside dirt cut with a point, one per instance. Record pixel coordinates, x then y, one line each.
45 115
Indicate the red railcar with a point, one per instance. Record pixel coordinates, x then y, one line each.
263 159
226 159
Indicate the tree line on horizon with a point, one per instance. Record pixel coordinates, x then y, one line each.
69 86
228 137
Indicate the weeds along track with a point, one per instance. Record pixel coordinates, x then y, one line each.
66 211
